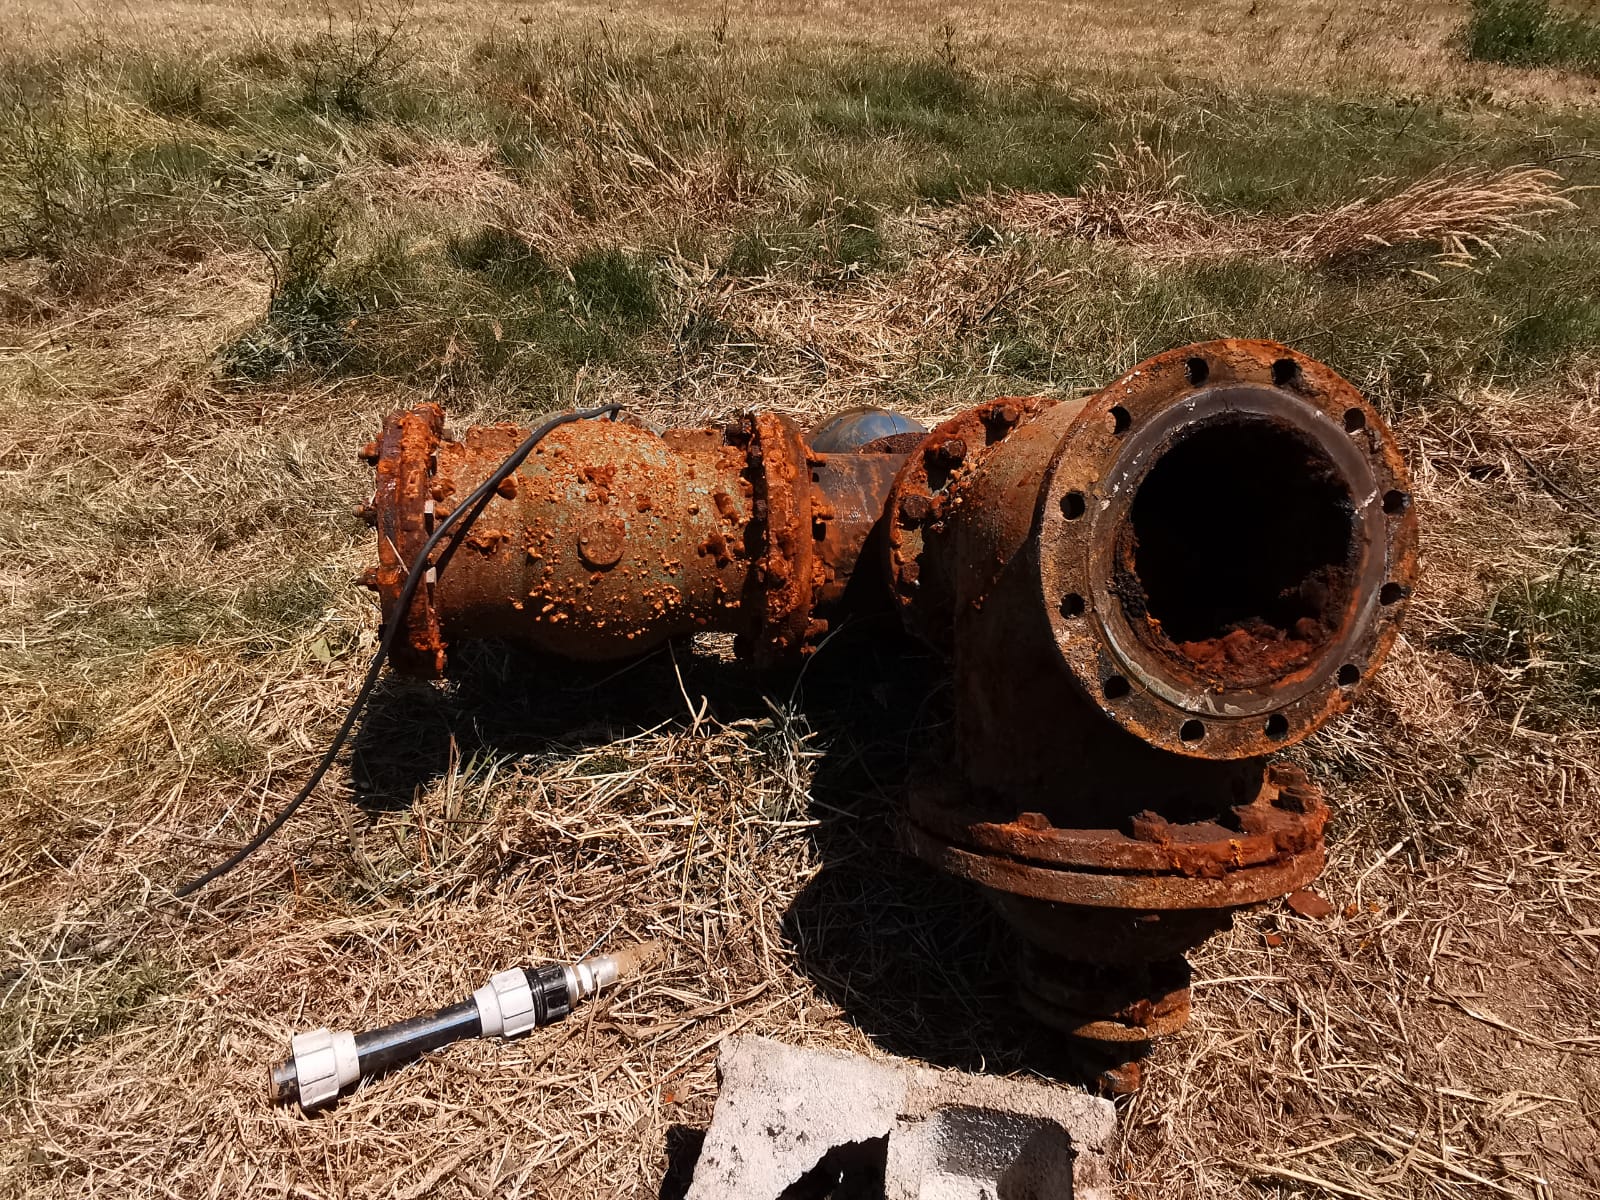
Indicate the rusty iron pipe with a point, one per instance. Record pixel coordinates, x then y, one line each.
611 539
1144 593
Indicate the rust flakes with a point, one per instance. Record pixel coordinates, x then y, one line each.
1310 905
485 541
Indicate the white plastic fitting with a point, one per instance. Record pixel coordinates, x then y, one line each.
505 1004
324 1062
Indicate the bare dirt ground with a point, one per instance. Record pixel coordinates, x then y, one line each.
182 630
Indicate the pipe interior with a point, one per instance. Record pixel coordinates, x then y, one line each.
1243 546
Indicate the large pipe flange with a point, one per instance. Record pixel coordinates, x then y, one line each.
922 565
1227 542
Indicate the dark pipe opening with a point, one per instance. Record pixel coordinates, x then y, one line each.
1242 547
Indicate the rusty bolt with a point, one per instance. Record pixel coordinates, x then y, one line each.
915 508
949 453
1037 822
368 579
600 543
1296 792
1299 797
1285 774
369 454
1149 827
367 513
1122 1080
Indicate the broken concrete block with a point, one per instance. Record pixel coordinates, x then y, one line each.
962 1137
790 1120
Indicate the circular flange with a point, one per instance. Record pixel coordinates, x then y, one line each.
919 503
1247 885
402 508
1282 821
1129 1006
1242 692
783 584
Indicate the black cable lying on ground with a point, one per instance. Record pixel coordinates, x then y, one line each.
460 519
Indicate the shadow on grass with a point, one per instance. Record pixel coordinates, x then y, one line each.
914 958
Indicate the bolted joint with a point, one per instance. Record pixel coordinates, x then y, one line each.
1145 592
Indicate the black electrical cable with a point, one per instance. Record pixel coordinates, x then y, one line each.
460 519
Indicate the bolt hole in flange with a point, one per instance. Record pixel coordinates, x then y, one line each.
1199 370
1391 593
1072 505
1285 371
1395 503
1072 605
1192 730
1354 420
1115 687
1277 727
1257 511
1349 675
1121 419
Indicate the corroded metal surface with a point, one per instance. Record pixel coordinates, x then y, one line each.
610 538
401 510
924 499
1237 523
1161 863
847 510
787 568
1144 593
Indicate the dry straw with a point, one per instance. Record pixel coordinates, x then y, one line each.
1463 212
182 631
1137 198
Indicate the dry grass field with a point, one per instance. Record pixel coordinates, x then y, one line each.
233 236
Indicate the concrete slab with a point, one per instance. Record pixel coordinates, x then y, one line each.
791 1122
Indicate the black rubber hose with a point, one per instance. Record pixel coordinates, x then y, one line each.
383 1049
378 1050
459 519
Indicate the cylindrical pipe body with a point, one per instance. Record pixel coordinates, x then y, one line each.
610 539
607 534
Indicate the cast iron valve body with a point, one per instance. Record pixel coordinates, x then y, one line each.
1145 593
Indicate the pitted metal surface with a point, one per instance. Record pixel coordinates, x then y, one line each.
1250 682
1144 593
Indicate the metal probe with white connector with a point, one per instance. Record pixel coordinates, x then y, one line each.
324 1061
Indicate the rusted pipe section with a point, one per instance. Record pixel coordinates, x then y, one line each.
611 539
1145 593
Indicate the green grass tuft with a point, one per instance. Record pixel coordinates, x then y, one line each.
308 313
1532 33
1548 630
499 256
610 283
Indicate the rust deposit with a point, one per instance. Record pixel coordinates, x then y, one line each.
1144 594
